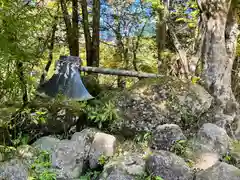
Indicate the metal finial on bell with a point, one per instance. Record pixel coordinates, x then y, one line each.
66 80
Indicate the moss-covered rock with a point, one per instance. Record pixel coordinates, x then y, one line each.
153 102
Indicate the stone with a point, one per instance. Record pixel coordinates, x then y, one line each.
206 160
61 175
27 153
114 174
165 136
154 102
46 143
85 137
168 166
103 145
219 171
131 164
211 138
236 127
235 154
69 156
200 101
222 120
13 170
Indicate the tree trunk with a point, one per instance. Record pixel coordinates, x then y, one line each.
87 35
71 27
91 42
161 37
67 23
95 33
50 53
75 29
219 32
23 82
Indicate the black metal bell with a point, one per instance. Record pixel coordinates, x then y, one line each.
66 81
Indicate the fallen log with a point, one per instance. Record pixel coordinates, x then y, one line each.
118 72
76 62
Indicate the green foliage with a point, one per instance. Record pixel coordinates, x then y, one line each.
195 79
102 112
148 177
183 149
41 168
102 159
179 147
39 117
156 4
143 139
22 31
90 175
7 152
22 139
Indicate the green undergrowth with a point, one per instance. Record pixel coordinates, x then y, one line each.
40 169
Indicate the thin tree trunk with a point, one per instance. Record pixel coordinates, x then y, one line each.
23 83
75 29
87 35
50 53
72 30
67 23
135 48
182 53
160 37
95 32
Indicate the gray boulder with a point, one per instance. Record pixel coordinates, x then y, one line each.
103 145
114 174
125 166
165 136
212 138
168 166
27 153
219 171
46 143
14 169
71 155
154 102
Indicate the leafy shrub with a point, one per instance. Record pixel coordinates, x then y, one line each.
102 113
40 169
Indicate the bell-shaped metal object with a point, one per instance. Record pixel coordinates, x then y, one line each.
66 81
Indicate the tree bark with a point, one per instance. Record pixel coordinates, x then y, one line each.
75 29
219 32
95 33
119 72
161 36
23 82
92 42
86 30
50 53
71 27
182 53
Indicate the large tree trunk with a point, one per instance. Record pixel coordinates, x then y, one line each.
161 36
95 32
71 27
87 35
91 42
219 32
75 29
